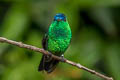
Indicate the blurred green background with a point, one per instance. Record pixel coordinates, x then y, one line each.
95 40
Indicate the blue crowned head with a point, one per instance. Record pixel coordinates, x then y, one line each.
59 17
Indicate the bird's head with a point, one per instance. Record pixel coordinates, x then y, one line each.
59 17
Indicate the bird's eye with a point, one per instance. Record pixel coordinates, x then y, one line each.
64 19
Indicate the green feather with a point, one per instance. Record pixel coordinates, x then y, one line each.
59 37
55 41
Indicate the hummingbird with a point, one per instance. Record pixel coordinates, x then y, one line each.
56 41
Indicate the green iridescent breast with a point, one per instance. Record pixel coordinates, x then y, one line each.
59 37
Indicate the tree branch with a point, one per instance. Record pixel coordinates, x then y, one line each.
30 47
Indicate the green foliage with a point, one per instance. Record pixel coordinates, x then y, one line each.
95 40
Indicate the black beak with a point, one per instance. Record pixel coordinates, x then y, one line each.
58 19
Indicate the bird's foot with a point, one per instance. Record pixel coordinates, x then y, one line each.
62 58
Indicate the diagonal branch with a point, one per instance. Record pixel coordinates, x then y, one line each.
30 47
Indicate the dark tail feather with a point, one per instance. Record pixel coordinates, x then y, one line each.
41 65
48 64
51 65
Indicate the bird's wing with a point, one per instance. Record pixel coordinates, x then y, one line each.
45 41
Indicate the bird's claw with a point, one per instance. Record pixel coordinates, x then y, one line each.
62 58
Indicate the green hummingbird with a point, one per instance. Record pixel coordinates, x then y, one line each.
56 41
